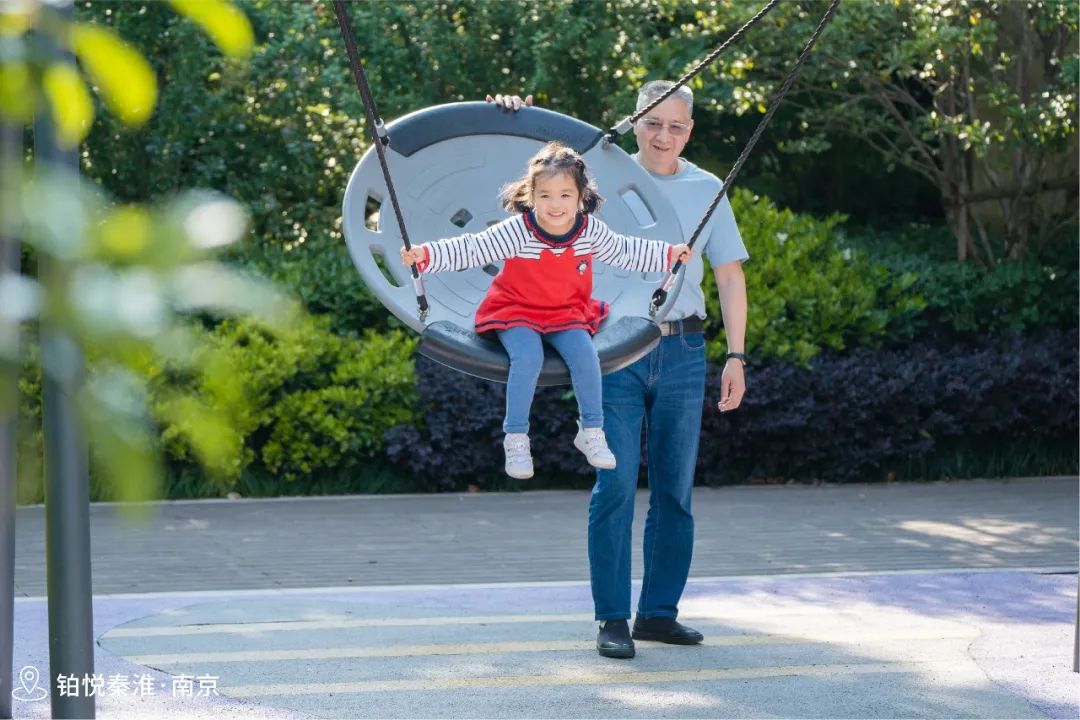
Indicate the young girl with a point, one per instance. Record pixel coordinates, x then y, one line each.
544 291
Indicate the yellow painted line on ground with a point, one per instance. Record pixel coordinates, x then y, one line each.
858 637
425 650
576 678
357 652
335 624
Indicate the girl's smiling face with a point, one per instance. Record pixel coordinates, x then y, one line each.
555 198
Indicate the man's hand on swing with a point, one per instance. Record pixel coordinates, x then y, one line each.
510 102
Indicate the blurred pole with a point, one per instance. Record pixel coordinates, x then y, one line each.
67 494
1076 631
67 484
10 166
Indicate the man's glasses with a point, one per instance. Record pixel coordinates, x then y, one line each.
653 125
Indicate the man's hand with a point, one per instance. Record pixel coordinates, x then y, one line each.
510 102
732 385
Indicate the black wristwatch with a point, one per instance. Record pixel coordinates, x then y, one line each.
738 356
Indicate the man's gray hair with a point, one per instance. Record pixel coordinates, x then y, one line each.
655 88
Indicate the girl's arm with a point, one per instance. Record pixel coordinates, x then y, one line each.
498 242
629 252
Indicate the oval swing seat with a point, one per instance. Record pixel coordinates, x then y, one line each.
448 163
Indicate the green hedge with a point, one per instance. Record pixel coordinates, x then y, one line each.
965 301
320 403
815 285
318 407
807 293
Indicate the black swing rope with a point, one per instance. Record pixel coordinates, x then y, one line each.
661 293
380 139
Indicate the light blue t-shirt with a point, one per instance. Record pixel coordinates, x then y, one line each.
690 191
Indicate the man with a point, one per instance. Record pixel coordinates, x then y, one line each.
665 390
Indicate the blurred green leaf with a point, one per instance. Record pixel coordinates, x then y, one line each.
123 76
20 299
119 433
226 25
16 92
125 233
72 108
208 431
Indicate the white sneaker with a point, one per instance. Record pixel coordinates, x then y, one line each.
519 462
593 445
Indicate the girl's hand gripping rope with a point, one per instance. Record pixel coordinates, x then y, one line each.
415 254
678 256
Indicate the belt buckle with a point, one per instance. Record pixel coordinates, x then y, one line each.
670 327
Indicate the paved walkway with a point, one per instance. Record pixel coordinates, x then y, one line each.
526 537
936 600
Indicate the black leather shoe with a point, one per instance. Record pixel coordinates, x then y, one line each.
614 641
665 630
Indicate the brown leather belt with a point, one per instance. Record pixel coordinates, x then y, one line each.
692 324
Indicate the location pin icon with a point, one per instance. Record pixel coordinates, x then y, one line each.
29 678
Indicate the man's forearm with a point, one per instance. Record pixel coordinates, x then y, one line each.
732 293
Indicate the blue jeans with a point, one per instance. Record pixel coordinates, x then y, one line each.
665 390
526 351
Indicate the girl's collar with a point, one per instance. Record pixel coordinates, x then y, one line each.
567 238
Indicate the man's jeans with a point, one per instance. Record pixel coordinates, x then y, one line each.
666 390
